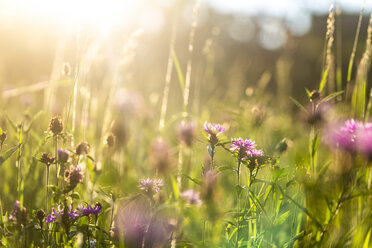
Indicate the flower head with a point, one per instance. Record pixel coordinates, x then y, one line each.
186 132
63 155
73 176
191 197
213 128
59 214
82 149
56 125
88 210
19 214
242 147
47 159
150 186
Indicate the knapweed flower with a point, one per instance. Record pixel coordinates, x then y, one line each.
345 136
161 158
213 131
56 125
63 155
82 148
19 214
73 176
47 159
191 197
242 147
88 210
59 214
186 132
150 186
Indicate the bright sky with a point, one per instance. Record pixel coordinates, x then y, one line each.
282 8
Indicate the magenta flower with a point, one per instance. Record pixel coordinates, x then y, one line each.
255 153
59 214
213 128
150 186
242 147
345 136
191 197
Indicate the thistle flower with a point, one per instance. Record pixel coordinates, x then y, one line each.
242 147
191 197
73 176
161 158
63 155
345 136
186 132
19 214
213 128
47 159
82 148
255 153
150 186
56 125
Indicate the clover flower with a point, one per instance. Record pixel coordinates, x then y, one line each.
73 176
150 186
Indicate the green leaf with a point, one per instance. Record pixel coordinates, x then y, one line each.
197 181
366 241
225 167
324 80
298 104
8 153
281 219
331 96
308 93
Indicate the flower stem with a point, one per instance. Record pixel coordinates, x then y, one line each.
238 202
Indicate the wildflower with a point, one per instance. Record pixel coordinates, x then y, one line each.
82 148
73 176
314 96
345 136
191 197
62 214
19 214
40 215
56 125
137 226
47 159
187 132
161 158
255 153
209 183
110 140
213 129
63 155
150 186
88 210
241 148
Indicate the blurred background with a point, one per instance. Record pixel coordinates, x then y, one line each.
237 43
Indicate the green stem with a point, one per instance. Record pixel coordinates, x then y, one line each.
238 202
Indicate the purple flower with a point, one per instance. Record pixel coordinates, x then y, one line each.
242 147
74 175
19 214
255 153
63 155
88 210
191 197
213 128
59 214
150 186
345 136
186 132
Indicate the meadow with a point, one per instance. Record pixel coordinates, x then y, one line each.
95 157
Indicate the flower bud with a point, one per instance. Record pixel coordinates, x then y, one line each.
56 125
82 149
